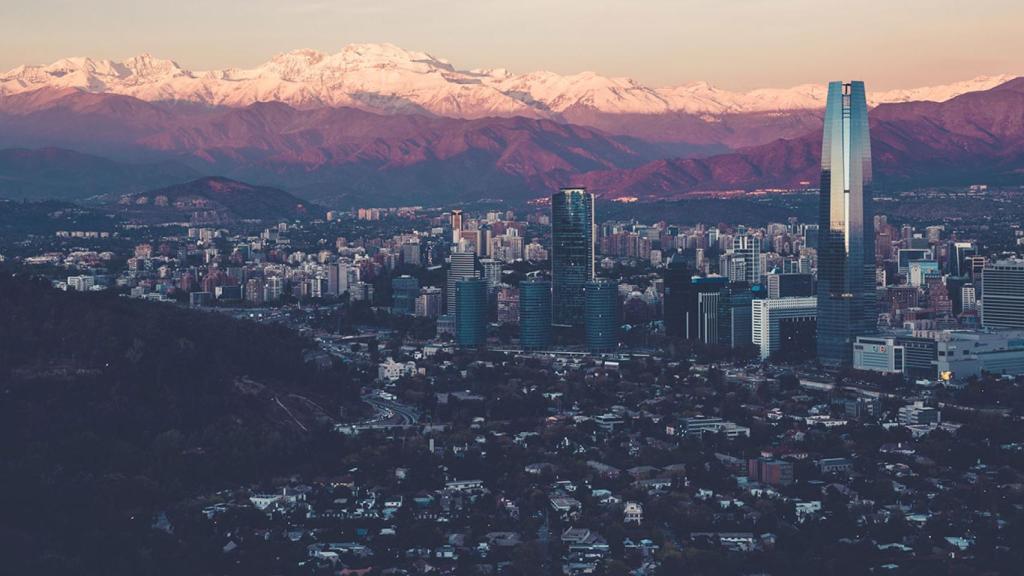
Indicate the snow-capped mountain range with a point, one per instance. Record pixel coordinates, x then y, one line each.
384 78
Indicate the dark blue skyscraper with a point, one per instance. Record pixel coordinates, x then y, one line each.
846 236
471 312
678 291
535 314
572 252
404 290
601 306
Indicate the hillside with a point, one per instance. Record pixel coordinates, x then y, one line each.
217 198
114 409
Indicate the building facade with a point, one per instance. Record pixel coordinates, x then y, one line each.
846 242
601 299
572 253
535 314
1002 294
471 312
767 316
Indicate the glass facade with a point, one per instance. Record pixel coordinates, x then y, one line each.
404 291
572 252
678 290
471 312
846 239
535 314
462 265
602 315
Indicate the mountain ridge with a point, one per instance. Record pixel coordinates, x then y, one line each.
388 79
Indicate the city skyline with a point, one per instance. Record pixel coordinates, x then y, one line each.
446 287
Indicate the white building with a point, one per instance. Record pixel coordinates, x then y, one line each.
917 414
81 283
633 513
390 371
877 354
767 315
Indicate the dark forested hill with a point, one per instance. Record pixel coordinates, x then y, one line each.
111 409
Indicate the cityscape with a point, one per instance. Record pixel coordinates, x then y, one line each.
362 325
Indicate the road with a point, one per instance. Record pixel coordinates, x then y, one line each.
390 412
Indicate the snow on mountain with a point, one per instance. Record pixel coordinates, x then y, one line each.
387 79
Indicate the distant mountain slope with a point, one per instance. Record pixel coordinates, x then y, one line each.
56 173
228 199
346 156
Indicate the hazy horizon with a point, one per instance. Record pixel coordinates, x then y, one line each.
742 45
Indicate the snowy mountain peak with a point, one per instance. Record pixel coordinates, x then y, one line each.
389 79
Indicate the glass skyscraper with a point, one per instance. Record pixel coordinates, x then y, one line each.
462 265
602 315
678 291
535 314
471 312
846 236
572 252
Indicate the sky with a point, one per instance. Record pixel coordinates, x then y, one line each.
734 44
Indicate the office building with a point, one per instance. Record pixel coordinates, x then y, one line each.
535 314
790 285
1002 294
876 354
572 253
771 319
959 252
461 265
404 291
700 313
429 302
471 312
456 224
491 272
769 471
918 414
919 269
678 278
709 306
483 240
907 255
508 304
746 248
846 251
737 314
601 311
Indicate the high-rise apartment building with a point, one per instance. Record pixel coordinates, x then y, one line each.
747 248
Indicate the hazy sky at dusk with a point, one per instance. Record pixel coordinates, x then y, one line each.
732 43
